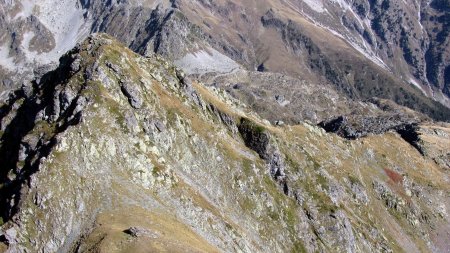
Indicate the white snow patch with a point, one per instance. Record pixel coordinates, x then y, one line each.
368 23
26 10
5 61
341 3
63 18
368 53
419 18
315 5
415 83
27 36
361 23
364 49
202 62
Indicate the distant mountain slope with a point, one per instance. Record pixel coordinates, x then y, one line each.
394 49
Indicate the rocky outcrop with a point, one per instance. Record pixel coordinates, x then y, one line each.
139 232
258 139
353 127
388 117
405 124
132 93
48 108
430 141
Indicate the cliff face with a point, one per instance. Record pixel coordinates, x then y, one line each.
118 152
348 50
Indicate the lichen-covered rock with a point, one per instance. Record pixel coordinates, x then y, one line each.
131 91
359 193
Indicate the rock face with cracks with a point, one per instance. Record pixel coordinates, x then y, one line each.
115 152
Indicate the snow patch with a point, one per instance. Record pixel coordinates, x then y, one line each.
368 53
415 83
26 10
207 61
6 61
26 40
341 3
364 49
63 18
315 5
419 18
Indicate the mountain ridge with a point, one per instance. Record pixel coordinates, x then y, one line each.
333 43
134 155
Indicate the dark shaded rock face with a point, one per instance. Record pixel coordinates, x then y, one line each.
53 108
303 45
357 126
224 118
254 137
336 125
353 127
415 35
257 139
410 133
366 80
436 18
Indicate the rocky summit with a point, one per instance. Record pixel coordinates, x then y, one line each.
224 126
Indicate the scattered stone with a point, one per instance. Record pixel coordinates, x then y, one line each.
7 83
65 98
186 85
279 123
281 100
141 232
160 126
131 91
75 66
27 89
359 194
10 235
114 67
131 122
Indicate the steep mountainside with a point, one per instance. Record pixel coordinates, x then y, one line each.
116 152
356 50
34 34
409 37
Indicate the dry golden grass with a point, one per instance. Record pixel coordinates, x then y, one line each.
212 99
438 142
3 247
168 234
